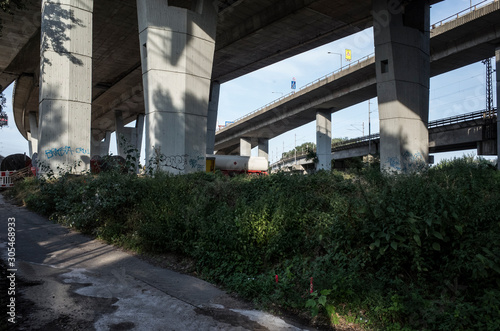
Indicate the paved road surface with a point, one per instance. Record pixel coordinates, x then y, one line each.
71 282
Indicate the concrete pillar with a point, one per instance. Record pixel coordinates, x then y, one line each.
324 139
497 57
33 134
245 147
128 138
177 40
65 85
402 55
100 147
213 107
263 144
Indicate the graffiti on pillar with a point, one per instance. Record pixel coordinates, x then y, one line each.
195 163
63 151
177 162
394 163
407 162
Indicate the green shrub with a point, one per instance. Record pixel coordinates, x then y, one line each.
403 252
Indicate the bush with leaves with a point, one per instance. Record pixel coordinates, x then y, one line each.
413 252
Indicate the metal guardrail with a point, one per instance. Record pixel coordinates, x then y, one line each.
457 15
477 115
332 74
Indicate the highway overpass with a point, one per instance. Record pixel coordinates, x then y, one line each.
108 62
477 130
467 38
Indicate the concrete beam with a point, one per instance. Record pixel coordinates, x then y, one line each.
177 50
324 139
497 58
402 61
213 108
65 85
245 147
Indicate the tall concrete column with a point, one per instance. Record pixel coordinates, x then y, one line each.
65 85
324 139
33 134
497 57
402 55
177 40
128 139
100 147
245 147
213 107
263 146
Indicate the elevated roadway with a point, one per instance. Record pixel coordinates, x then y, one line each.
251 34
461 41
475 130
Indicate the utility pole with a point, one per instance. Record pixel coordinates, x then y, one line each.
489 88
369 130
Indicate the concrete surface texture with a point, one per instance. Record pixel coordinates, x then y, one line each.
65 85
245 147
129 140
79 283
213 107
98 146
263 148
33 135
177 49
324 140
402 61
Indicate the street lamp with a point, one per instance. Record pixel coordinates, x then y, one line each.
341 55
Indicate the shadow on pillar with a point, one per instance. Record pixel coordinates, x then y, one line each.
175 141
402 61
56 22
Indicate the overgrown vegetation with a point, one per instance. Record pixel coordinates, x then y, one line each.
406 252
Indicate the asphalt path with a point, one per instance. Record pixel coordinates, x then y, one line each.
67 281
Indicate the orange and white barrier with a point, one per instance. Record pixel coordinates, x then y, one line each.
6 179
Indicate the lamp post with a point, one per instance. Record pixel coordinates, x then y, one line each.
341 55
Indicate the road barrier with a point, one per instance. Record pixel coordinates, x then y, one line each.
6 178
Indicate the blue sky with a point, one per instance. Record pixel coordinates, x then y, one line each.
454 93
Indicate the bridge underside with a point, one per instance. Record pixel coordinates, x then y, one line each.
454 44
251 34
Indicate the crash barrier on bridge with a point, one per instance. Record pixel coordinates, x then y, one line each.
6 179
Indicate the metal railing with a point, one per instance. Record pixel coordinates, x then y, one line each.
356 140
477 115
332 74
457 15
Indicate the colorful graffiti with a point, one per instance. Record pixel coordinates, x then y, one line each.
66 150
407 162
